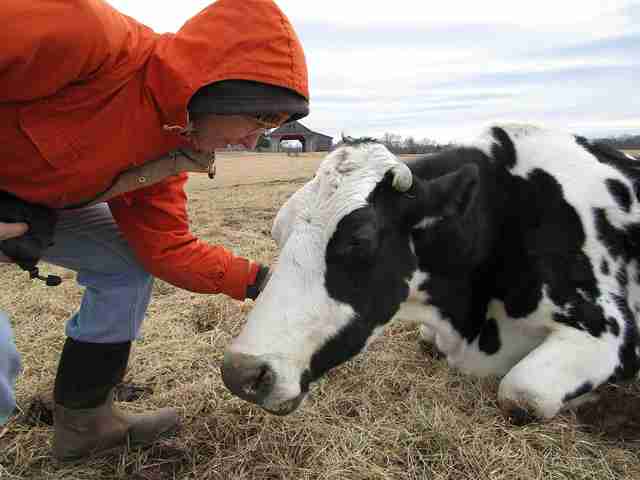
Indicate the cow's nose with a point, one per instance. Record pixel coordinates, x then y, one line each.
248 377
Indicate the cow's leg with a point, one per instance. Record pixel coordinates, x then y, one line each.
427 343
501 344
570 363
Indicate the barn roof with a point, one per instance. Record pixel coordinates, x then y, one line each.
295 128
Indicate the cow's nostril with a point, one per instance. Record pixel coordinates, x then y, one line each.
262 380
247 376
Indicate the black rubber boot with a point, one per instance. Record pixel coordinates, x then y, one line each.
86 421
88 371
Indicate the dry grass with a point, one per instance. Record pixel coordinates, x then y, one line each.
395 412
631 151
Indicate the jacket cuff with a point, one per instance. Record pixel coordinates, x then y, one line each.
241 273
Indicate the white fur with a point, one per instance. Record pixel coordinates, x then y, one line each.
566 360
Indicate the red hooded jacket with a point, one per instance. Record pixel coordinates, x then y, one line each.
85 92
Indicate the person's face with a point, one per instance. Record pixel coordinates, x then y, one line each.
211 132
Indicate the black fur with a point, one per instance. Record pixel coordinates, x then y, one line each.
581 390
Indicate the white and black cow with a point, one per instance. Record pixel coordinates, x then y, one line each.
518 253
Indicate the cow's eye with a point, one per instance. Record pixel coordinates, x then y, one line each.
357 249
355 241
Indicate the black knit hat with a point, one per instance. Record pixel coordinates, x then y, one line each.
238 97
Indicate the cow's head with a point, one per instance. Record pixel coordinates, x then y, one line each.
344 269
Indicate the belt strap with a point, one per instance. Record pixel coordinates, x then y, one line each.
175 162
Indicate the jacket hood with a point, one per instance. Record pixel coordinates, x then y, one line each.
228 40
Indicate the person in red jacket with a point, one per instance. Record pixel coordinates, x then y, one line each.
88 94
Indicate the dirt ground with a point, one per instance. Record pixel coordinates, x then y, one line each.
395 412
247 168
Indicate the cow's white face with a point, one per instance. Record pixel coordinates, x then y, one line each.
297 316
343 271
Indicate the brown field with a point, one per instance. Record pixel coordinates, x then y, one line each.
630 151
396 412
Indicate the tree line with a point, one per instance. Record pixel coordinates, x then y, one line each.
401 145
621 141
409 145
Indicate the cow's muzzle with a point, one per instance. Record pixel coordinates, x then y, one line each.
252 379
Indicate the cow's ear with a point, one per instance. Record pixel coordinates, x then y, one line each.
452 194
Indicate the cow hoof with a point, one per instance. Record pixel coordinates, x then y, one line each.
517 414
520 417
430 350
581 401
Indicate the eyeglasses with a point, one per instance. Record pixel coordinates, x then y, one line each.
265 122
272 120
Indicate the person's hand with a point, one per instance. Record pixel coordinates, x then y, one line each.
262 278
11 230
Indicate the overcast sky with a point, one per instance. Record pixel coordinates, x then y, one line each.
443 69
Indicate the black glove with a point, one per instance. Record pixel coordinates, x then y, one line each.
262 277
27 249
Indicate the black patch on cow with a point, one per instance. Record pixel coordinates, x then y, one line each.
347 343
463 242
612 326
633 231
583 315
556 245
622 243
489 341
557 229
608 155
615 240
583 389
629 360
536 237
361 273
620 193
623 277
524 294
604 267
503 152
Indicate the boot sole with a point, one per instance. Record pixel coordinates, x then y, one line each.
128 445
96 454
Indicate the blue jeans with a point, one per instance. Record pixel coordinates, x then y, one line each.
9 369
117 288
